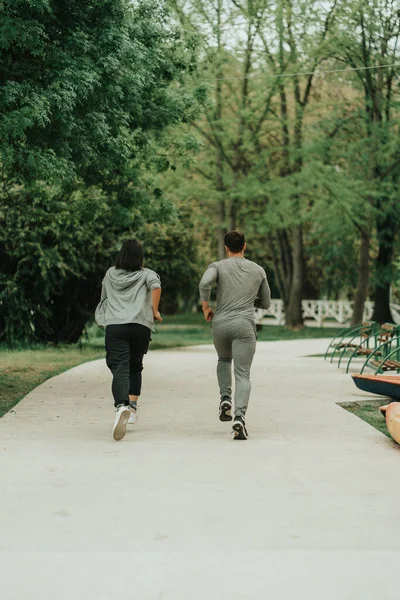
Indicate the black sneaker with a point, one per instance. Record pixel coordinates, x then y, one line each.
225 409
239 429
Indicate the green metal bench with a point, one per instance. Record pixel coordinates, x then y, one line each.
339 342
388 364
382 354
362 332
343 333
382 337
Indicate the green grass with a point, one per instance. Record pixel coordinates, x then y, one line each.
23 369
170 334
191 330
271 333
369 412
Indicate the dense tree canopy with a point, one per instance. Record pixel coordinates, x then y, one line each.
86 90
178 120
82 82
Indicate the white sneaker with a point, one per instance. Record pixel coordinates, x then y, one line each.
121 419
133 419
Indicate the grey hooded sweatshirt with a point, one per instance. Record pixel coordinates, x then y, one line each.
126 298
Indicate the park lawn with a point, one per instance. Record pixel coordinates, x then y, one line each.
22 370
191 330
175 334
369 412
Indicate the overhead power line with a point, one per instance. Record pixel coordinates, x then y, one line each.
317 72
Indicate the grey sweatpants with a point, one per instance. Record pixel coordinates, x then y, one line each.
235 339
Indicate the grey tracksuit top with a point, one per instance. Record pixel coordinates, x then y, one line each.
239 283
126 298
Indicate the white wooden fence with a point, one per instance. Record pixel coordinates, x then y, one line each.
320 313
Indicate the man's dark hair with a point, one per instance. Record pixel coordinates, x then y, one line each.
234 240
130 257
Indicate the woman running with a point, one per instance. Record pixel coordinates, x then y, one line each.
128 307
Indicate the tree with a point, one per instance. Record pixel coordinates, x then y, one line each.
173 252
52 256
86 90
302 28
367 39
253 129
77 79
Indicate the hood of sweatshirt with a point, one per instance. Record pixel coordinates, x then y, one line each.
121 280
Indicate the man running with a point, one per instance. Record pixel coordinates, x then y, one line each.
241 284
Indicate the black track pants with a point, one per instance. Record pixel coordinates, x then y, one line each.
125 347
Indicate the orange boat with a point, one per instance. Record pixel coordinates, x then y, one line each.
381 385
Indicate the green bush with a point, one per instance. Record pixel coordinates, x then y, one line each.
172 251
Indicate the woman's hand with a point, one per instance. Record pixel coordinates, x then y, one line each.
157 316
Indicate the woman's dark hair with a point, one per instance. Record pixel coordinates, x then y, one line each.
130 257
234 241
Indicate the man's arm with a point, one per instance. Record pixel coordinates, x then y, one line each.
264 295
206 283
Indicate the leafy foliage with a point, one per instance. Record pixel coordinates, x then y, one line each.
171 250
306 163
86 90
77 79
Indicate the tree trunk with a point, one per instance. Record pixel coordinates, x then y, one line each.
289 272
219 162
386 237
282 263
294 313
362 280
221 230
232 216
382 312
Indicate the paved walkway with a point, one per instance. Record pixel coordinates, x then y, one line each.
306 509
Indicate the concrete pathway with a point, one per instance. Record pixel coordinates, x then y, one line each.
307 508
